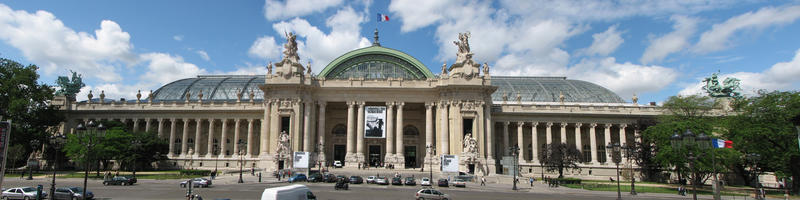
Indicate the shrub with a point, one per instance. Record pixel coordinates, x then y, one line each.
195 172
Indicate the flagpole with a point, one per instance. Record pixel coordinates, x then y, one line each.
715 185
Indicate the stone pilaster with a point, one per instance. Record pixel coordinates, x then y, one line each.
172 125
521 142
535 142
360 146
564 132
608 141
197 134
593 142
250 142
210 144
389 158
399 146
321 132
505 138
185 138
224 138
350 157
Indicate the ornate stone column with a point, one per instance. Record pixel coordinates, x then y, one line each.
389 157
135 125
197 135
520 142
445 147
307 137
549 133
321 131
146 124
171 137
578 133
535 142
210 145
224 138
489 136
428 131
160 128
185 138
399 153
250 137
236 136
607 141
360 133
564 132
593 141
264 135
623 140
351 148
505 138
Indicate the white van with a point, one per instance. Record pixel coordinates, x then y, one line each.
289 192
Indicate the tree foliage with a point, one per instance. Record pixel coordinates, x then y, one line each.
560 156
117 145
25 102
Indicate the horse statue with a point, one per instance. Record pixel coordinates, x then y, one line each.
729 88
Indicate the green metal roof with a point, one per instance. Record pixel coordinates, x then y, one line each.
407 65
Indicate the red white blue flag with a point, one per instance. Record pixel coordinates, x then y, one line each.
722 143
382 17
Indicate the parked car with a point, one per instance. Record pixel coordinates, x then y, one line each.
443 182
70 193
459 182
410 181
337 164
356 180
197 182
133 179
397 181
371 179
316 177
298 177
431 194
343 178
381 181
425 181
22 193
118 180
329 178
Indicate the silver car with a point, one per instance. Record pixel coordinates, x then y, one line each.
197 182
70 193
22 193
430 194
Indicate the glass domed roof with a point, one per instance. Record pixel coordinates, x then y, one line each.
214 87
549 89
376 62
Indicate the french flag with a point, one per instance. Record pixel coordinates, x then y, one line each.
722 143
382 17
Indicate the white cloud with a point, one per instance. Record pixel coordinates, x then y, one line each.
163 68
203 54
781 76
606 42
276 10
44 40
419 13
718 37
265 48
623 78
588 10
320 47
672 42
177 37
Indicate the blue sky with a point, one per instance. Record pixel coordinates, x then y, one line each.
654 49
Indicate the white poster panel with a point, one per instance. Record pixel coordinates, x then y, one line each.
449 163
375 122
301 159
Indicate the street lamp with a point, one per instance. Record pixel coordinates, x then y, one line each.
241 153
57 141
514 150
432 151
692 143
215 151
753 158
89 135
630 150
136 144
35 145
615 148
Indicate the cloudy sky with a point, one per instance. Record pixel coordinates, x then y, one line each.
654 49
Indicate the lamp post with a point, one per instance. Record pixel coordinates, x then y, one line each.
215 150
630 150
241 159
320 150
615 149
432 151
514 150
57 141
541 164
89 135
136 144
753 158
691 143
34 145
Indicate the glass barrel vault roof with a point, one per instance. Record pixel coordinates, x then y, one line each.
214 87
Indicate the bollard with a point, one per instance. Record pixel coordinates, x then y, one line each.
259 177
39 192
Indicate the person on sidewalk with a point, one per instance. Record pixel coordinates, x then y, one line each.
483 181
531 180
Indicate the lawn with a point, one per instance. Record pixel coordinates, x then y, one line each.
642 189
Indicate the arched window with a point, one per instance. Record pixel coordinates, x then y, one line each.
339 130
410 130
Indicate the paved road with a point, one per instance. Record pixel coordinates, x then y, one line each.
227 188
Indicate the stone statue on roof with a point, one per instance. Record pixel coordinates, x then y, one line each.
289 66
729 88
290 48
464 66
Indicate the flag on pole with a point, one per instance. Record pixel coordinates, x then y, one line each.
722 143
382 18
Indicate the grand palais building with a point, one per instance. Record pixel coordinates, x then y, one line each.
374 106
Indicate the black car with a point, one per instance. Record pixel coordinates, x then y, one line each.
410 181
315 178
133 179
329 178
118 180
397 181
356 180
443 183
343 178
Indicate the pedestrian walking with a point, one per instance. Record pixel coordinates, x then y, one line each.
483 181
531 180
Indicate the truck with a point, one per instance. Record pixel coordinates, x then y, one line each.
289 192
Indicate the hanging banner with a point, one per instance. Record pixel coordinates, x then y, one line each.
301 159
449 163
374 121
5 133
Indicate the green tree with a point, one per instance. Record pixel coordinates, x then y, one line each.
560 156
764 126
116 145
25 101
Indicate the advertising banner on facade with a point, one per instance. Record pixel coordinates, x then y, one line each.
449 163
5 133
301 159
374 121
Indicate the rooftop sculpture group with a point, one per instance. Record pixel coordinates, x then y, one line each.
729 88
